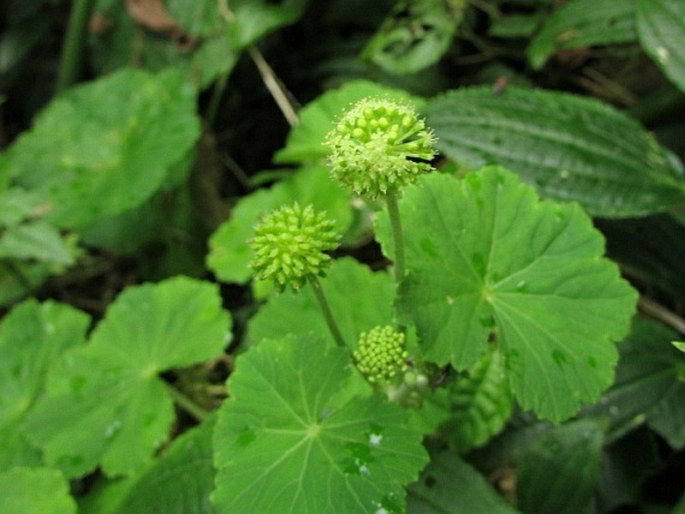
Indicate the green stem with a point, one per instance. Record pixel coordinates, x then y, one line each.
186 403
215 101
398 243
397 236
326 309
74 43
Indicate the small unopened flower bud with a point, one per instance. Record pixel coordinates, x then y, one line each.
380 354
290 243
378 147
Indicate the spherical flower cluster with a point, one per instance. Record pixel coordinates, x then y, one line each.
379 146
289 245
381 354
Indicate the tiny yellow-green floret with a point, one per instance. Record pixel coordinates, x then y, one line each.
290 243
380 354
378 147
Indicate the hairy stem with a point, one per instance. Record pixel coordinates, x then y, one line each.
186 403
327 314
398 242
397 236
74 43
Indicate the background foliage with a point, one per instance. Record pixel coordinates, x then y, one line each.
141 141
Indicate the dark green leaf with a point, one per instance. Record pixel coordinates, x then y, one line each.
582 23
661 27
451 486
481 404
559 472
285 443
568 147
649 386
650 249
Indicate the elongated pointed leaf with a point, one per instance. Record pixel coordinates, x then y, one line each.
485 255
285 443
649 386
105 403
451 486
481 404
582 23
559 472
568 147
661 27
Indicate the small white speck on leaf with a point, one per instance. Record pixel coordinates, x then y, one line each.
663 54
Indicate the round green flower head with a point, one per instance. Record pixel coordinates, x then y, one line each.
379 146
289 245
381 354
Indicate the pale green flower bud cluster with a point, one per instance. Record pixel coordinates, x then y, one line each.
378 147
290 244
380 354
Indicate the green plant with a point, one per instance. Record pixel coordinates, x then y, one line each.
416 293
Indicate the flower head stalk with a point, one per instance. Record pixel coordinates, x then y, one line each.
290 246
378 147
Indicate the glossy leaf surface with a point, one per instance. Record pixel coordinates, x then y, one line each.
568 147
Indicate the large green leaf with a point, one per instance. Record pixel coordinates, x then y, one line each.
480 402
107 146
661 27
582 23
32 337
568 147
559 472
317 118
373 295
451 486
230 253
285 443
33 491
105 402
485 255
